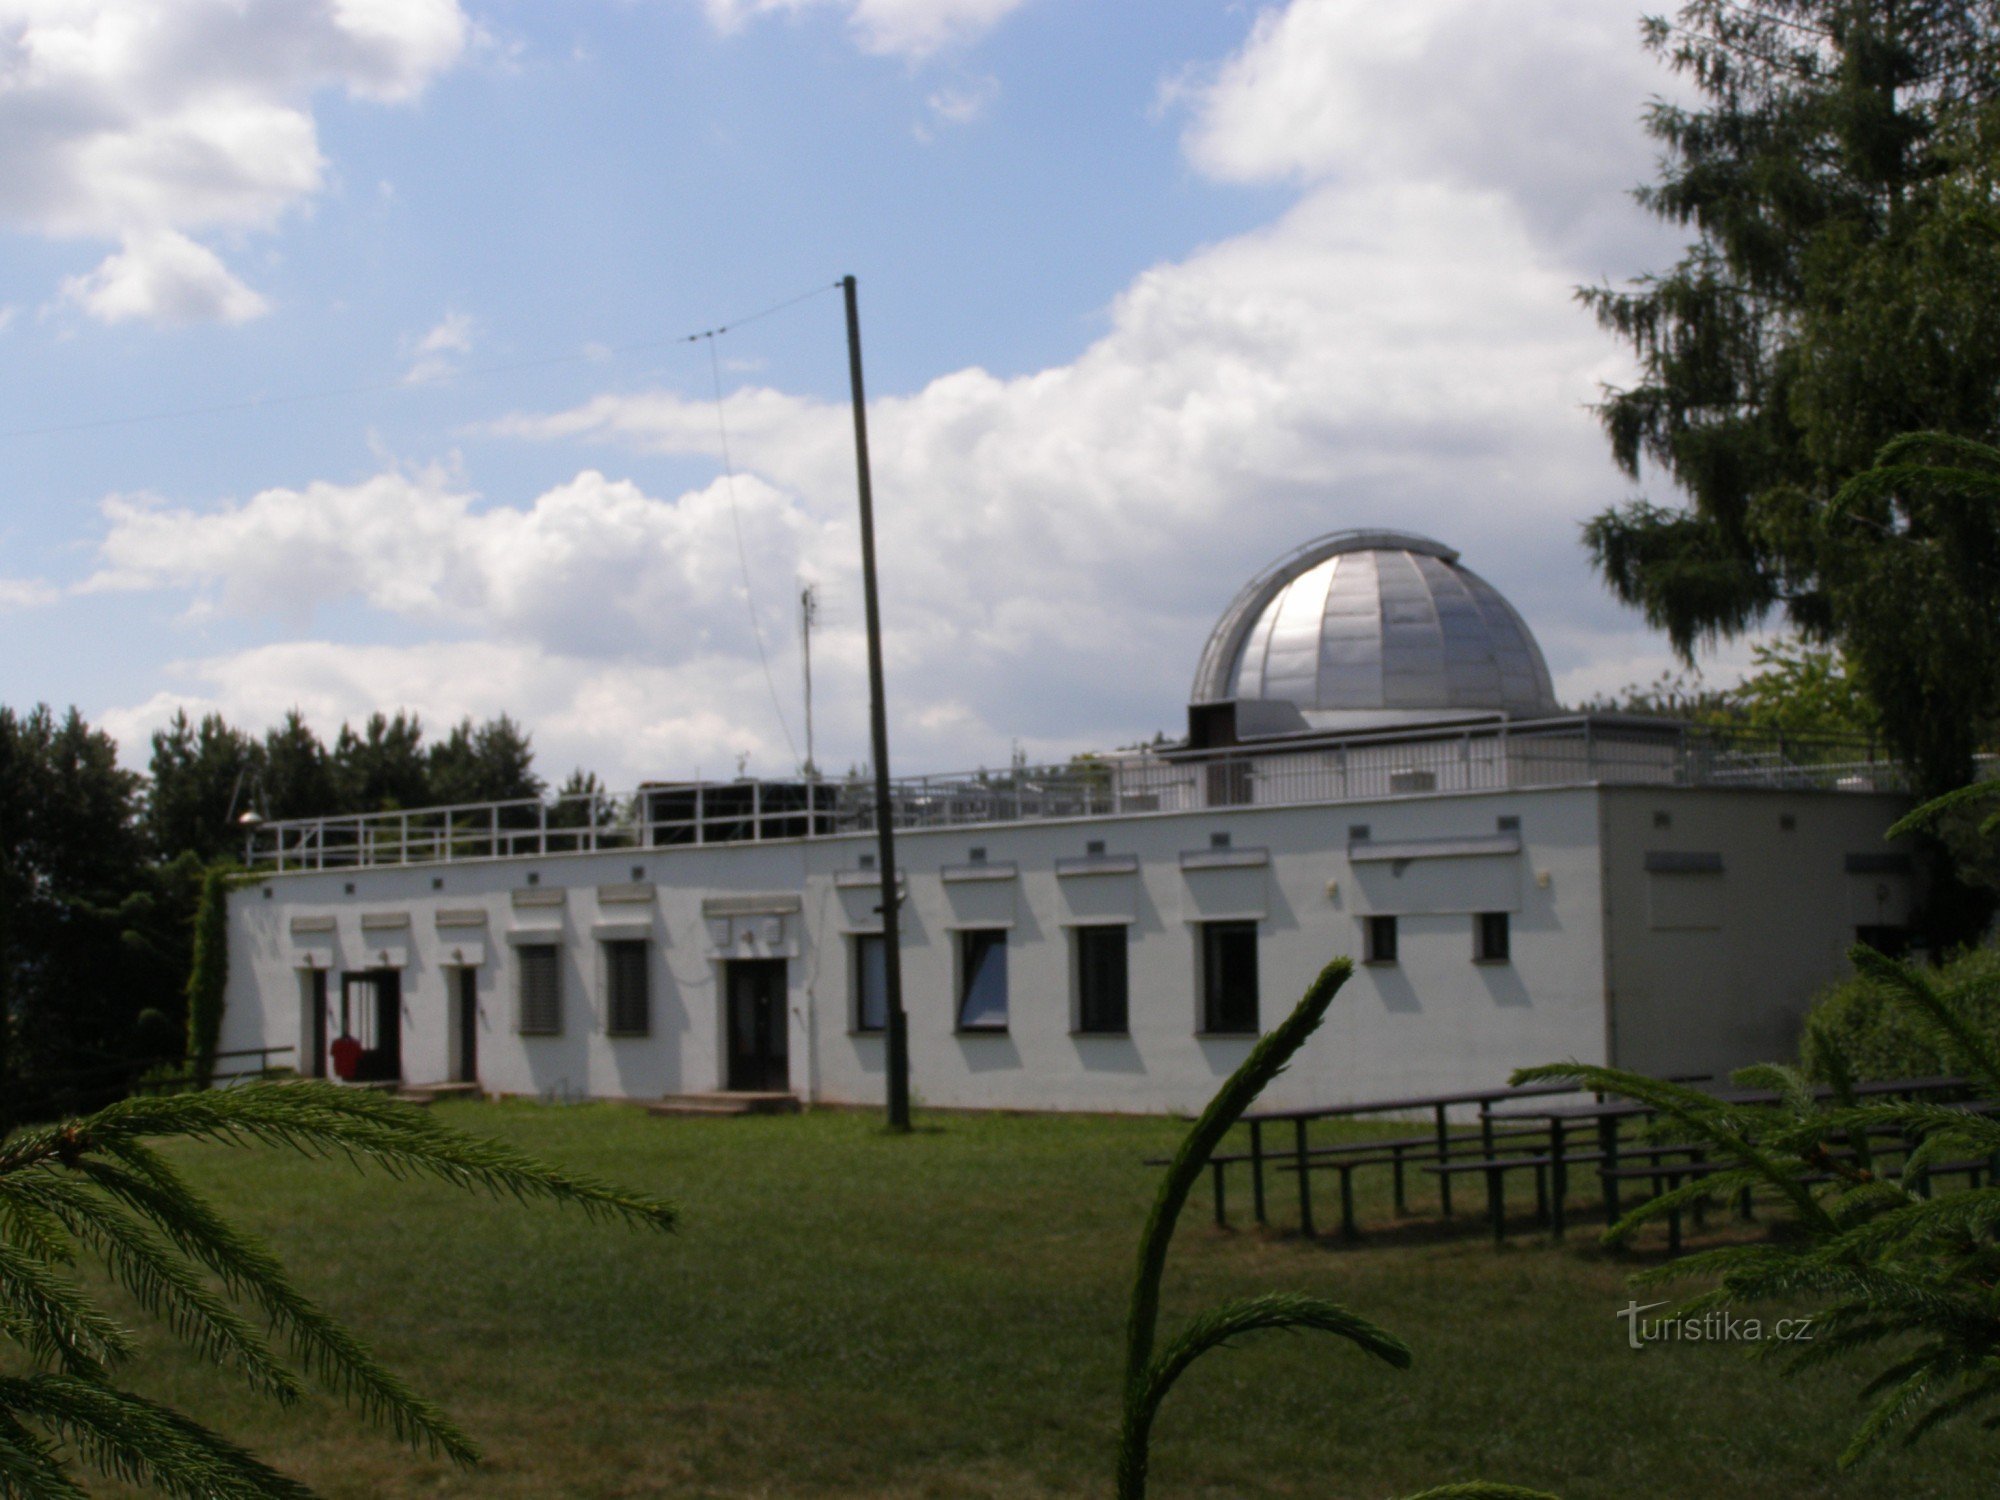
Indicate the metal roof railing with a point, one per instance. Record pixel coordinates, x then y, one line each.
1486 756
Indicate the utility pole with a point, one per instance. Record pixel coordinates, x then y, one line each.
878 725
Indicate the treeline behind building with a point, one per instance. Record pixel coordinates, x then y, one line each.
205 776
101 868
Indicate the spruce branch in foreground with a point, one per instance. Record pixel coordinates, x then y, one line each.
96 1186
1894 1265
1149 1375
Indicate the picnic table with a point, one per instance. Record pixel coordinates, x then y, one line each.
1439 1105
1609 1116
1550 1147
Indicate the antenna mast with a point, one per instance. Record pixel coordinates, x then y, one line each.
809 612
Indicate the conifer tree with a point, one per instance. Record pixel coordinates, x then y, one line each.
77 913
382 767
493 762
202 777
1838 173
295 776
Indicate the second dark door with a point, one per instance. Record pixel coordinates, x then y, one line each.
316 1023
465 990
756 1024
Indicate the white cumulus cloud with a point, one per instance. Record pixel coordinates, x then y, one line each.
1538 103
144 122
435 355
962 103
162 276
27 593
1399 348
592 568
616 720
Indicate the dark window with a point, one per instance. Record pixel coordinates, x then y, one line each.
1379 941
1229 977
1100 979
982 994
871 983
1490 938
541 988
629 1011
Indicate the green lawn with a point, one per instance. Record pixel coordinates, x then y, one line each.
847 1313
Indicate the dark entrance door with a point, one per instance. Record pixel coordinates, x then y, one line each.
757 1029
388 1058
316 1023
371 1012
465 992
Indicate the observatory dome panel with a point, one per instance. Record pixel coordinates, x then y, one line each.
1366 629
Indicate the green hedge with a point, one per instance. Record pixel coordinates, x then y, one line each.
1879 1040
208 976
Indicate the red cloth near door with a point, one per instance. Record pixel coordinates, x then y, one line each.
346 1055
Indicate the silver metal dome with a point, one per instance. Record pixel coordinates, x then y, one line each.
1365 629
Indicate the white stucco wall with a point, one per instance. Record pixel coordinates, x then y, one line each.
1712 969
1435 1021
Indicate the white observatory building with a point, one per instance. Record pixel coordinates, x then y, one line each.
1376 765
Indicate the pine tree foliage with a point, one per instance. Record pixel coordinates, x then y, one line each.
1911 552
1836 165
97 1187
1149 1373
90 935
1900 1269
204 776
492 762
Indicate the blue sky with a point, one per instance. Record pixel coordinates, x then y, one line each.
1151 293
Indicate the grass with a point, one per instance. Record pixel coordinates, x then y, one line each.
847 1313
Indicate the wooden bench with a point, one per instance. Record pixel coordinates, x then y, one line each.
1548 1205
1495 1169
1401 1150
1672 1173
1347 1166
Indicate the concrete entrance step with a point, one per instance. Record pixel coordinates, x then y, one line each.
430 1093
725 1103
